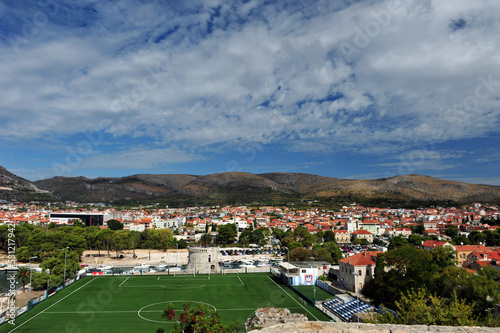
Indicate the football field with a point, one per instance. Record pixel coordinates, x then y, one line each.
135 303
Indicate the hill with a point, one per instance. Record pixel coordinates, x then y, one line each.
15 188
247 188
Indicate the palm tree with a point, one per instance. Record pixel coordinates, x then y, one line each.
23 274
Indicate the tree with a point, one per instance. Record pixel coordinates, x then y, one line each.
227 233
182 244
121 241
78 223
39 280
319 236
278 234
206 239
443 256
396 242
334 251
23 254
415 239
490 238
243 240
259 236
461 240
115 225
23 274
294 245
476 237
22 233
75 241
419 308
197 317
90 234
104 238
419 229
480 290
451 231
322 255
35 241
364 241
409 268
63 258
304 236
300 254
329 236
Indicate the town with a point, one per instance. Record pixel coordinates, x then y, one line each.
336 250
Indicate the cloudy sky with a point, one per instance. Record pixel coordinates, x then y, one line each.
349 89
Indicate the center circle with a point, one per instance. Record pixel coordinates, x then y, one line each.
167 302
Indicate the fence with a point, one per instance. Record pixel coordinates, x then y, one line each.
12 314
304 297
180 271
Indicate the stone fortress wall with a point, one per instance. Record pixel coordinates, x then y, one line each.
203 259
331 327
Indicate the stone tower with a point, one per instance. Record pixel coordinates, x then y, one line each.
203 259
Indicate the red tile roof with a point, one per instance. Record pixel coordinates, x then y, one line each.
361 259
463 248
362 232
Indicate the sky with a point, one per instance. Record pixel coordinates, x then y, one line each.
347 89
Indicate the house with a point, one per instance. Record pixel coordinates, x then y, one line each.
342 237
363 234
405 232
373 226
355 271
431 232
432 244
464 250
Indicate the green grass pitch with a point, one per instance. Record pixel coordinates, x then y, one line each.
135 303
312 291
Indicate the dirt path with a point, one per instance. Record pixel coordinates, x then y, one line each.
152 257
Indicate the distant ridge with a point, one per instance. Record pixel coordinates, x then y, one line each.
241 187
13 187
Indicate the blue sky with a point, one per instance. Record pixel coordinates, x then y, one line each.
348 89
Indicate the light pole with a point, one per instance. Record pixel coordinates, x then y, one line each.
29 293
356 291
315 276
64 278
288 267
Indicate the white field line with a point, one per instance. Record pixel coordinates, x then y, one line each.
158 279
185 287
149 311
74 291
293 299
240 280
123 282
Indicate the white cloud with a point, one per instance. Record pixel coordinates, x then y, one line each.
138 158
218 88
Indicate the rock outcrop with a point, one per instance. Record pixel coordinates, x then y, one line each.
265 317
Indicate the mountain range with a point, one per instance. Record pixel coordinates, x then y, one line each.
246 188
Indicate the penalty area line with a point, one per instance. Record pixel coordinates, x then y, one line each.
123 282
240 280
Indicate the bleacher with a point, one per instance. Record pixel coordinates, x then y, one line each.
346 310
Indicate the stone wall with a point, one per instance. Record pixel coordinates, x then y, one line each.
265 317
203 259
330 327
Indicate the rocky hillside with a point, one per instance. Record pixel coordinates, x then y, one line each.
13 187
239 187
